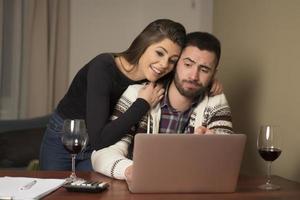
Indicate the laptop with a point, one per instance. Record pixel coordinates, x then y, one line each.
186 163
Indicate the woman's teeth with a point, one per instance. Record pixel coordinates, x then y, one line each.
156 70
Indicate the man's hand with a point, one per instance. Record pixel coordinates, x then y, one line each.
152 93
203 130
128 174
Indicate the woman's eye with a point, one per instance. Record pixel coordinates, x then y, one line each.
160 53
173 62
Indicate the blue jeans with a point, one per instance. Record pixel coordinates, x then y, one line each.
53 155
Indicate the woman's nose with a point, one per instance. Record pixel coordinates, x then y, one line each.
164 63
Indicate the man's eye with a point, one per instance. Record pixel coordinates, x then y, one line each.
205 70
159 53
187 64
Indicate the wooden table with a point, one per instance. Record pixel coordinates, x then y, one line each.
247 188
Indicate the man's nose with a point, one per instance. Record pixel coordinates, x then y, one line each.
194 73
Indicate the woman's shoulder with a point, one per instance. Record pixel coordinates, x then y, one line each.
104 59
102 64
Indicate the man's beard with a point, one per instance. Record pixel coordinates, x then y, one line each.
189 93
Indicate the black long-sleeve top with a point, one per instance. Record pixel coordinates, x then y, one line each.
92 96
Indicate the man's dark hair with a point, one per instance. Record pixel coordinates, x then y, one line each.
204 41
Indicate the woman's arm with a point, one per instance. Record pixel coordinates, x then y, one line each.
105 85
129 111
103 91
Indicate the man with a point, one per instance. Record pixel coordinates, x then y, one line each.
185 108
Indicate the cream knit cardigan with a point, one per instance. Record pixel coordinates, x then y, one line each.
213 112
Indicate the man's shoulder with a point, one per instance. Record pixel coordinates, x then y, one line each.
132 91
217 99
135 87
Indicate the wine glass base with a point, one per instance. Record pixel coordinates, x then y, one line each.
269 186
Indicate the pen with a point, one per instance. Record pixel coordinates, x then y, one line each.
6 198
28 185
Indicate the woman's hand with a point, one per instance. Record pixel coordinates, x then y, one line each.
216 88
152 93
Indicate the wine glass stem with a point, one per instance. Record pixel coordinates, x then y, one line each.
269 172
73 174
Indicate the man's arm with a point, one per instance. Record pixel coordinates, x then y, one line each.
218 115
112 161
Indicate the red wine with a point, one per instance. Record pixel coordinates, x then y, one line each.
269 154
74 148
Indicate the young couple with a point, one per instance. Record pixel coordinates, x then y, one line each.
98 86
185 108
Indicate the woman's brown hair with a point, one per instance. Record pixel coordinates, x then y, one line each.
155 32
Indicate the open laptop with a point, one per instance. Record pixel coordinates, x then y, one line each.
186 163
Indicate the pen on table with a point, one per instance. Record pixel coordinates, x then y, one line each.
28 185
6 198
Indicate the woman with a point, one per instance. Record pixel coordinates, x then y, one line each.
99 84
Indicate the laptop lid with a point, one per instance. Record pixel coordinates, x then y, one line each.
186 163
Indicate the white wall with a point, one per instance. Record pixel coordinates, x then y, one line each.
99 26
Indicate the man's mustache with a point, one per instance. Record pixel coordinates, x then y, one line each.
192 82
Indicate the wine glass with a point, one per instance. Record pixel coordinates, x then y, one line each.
268 145
74 139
